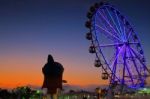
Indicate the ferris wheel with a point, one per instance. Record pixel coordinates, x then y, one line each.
116 46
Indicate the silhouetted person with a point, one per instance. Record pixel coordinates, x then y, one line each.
53 72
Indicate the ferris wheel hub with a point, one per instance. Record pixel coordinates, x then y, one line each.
126 43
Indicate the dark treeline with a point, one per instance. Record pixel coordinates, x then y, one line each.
20 93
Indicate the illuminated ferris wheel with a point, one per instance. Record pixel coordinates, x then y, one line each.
116 46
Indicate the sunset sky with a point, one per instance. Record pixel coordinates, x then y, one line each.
32 29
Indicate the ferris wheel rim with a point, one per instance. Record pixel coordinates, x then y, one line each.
122 42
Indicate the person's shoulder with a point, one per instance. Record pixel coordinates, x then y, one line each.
58 64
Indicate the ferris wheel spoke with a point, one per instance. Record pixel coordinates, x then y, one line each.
144 66
107 21
107 64
105 28
129 34
140 60
119 52
113 66
131 76
116 32
120 29
137 56
113 23
99 22
126 66
108 32
129 73
134 62
111 45
117 44
124 30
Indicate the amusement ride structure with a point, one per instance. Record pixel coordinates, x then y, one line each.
116 45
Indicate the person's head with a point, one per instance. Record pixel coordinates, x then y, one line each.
50 59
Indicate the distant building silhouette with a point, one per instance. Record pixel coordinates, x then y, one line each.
53 73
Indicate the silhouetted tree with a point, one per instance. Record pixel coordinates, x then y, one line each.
4 94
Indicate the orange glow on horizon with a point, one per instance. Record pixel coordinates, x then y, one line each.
15 80
21 71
